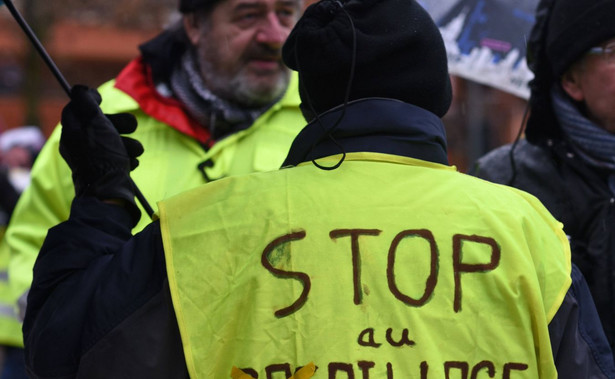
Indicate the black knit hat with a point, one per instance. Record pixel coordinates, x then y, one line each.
187 6
563 32
399 54
575 27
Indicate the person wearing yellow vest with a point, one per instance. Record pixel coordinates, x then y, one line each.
365 255
212 99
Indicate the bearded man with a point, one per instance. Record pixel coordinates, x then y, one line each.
212 98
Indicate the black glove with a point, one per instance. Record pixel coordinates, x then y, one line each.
100 159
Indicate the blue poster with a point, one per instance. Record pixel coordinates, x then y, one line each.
485 40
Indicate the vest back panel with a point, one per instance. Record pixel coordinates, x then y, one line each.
385 267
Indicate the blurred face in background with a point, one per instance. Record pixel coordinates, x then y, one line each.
17 157
592 82
239 47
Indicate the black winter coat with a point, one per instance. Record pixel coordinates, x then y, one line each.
577 195
100 306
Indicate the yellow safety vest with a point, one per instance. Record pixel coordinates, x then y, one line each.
387 267
169 165
10 324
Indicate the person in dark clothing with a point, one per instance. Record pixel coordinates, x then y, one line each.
8 196
567 158
288 271
19 148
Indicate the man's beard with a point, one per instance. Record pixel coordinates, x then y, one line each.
243 87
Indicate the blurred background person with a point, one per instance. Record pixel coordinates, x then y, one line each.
19 148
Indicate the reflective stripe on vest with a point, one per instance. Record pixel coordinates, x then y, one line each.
387 267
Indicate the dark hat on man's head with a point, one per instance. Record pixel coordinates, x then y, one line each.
575 26
399 54
187 6
564 30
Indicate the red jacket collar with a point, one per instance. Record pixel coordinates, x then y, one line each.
136 81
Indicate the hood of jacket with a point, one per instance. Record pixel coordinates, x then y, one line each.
164 51
377 125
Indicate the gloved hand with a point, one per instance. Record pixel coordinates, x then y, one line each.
100 159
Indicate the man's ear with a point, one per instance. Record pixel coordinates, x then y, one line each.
192 28
571 84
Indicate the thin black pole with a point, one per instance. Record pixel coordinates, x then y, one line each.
56 72
39 47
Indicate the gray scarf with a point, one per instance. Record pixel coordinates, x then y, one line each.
219 116
595 145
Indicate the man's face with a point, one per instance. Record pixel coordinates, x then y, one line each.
592 81
239 48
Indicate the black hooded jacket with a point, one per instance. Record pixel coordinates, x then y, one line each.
100 304
578 196
545 165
